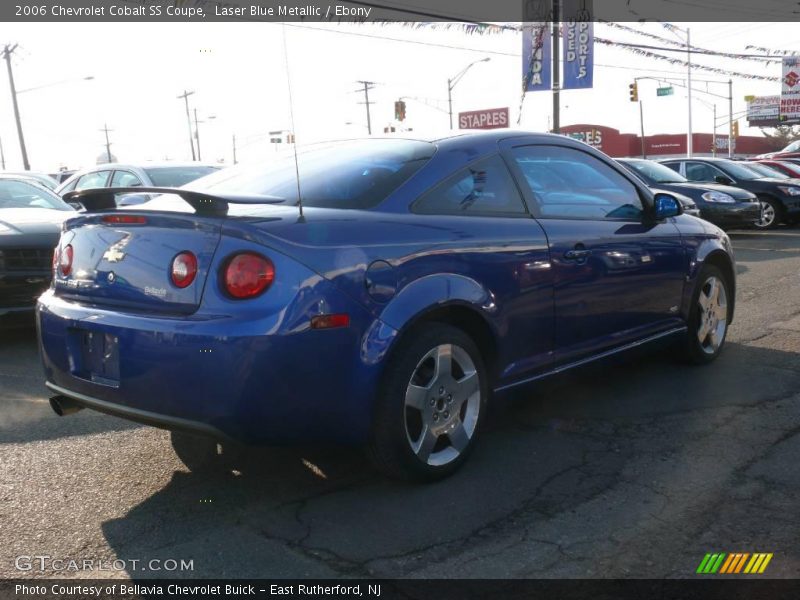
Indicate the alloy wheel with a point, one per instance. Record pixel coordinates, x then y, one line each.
767 215
713 305
442 405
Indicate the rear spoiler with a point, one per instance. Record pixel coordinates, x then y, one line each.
102 199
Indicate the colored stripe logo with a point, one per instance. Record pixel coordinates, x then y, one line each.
734 563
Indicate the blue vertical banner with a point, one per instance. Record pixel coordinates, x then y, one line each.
536 57
578 55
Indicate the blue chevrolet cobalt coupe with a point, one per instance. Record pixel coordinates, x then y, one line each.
381 298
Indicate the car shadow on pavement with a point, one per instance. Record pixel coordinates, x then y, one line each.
25 413
299 512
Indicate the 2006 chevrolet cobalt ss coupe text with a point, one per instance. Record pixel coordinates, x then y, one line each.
418 279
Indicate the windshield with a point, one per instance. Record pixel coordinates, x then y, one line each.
739 170
343 175
177 176
793 147
19 194
767 171
653 172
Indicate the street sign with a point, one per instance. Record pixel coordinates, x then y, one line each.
665 91
489 118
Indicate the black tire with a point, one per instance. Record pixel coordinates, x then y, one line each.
692 349
201 454
390 447
776 208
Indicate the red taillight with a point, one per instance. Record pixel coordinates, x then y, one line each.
184 269
247 275
124 219
65 261
330 321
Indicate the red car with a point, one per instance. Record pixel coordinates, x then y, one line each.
792 169
791 151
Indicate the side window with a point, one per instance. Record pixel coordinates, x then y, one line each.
675 166
92 180
483 188
571 184
70 186
696 171
124 179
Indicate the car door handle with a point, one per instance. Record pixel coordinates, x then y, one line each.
577 254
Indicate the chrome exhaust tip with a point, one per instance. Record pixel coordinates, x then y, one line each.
64 406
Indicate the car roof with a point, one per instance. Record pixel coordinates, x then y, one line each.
144 165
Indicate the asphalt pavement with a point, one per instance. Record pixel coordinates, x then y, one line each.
635 469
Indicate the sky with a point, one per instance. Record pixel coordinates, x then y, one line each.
238 72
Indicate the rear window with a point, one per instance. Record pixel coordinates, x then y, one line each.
177 176
343 175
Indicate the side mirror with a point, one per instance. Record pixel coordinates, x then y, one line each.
723 180
666 206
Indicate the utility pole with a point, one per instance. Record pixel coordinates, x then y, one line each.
556 67
714 137
2 155
689 137
185 97
368 85
7 52
197 134
641 125
730 118
108 144
234 148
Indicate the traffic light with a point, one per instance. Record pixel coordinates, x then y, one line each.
634 91
735 129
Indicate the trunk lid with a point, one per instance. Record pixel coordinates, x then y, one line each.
128 265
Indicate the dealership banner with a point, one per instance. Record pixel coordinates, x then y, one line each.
764 111
578 42
536 57
790 89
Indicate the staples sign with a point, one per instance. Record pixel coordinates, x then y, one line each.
490 118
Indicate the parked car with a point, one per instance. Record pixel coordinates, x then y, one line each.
725 206
790 151
30 223
144 175
415 279
779 197
40 178
62 176
788 168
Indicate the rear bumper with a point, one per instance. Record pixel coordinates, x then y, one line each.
258 381
139 416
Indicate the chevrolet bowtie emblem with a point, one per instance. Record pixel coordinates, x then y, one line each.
113 255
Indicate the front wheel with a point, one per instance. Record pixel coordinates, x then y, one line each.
771 214
431 405
709 316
